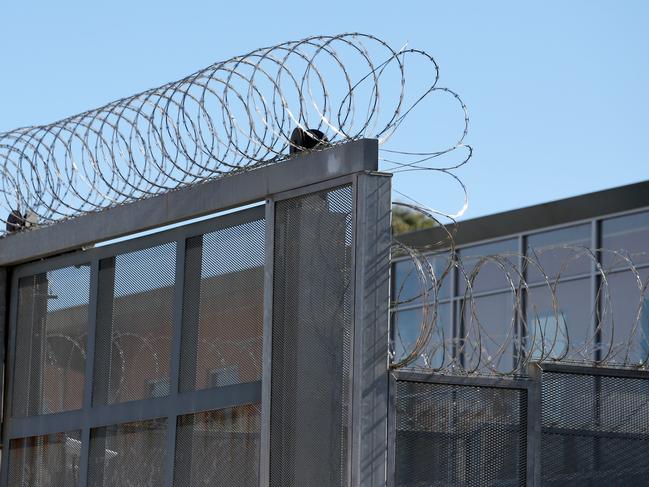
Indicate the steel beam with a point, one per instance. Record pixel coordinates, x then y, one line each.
4 320
264 454
534 427
569 368
510 382
371 330
128 412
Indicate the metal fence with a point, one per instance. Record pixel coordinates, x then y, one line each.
595 426
251 349
140 361
565 425
462 431
248 349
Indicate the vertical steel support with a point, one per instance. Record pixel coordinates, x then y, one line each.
84 457
103 331
264 457
103 327
9 376
174 376
4 326
370 397
392 432
534 426
190 307
5 286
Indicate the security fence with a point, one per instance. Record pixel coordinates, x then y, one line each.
565 425
462 431
251 349
595 426
238 350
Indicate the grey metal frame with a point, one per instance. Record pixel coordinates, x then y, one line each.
5 291
93 416
370 294
370 393
529 385
350 163
264 454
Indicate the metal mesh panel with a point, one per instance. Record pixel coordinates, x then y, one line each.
45 461
311 339
218 448
595 430
460 435
223 307
51 341
134 325
128 454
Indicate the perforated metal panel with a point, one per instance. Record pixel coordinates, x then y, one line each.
311 340
51 341
135 294
218 448
223 307
459 435
595 430
134 325
45 461
128 454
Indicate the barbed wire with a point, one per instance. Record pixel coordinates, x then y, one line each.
232 116
269 104
532 324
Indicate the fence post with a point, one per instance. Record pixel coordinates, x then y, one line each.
371 319
534 426
4 315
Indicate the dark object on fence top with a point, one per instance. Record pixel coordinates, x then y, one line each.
15 221
303 140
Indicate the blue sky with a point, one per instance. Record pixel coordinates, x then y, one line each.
557 90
